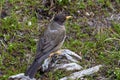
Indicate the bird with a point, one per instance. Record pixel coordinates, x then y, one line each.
49 43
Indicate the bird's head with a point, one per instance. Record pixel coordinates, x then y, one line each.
60 18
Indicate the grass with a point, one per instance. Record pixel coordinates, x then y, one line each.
19 31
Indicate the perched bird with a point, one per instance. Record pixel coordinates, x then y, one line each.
50 42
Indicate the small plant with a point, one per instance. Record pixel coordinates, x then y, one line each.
63 2
81 4
117 73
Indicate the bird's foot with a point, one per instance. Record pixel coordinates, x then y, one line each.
53 53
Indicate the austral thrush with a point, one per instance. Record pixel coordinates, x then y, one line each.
50 42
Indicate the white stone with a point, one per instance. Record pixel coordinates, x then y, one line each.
68 61
29 23
20 76
71 59
79 74
69 66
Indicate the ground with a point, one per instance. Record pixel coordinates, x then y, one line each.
93 33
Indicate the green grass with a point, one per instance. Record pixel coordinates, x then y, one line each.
97 46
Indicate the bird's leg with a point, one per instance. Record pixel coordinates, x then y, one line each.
58 52
53 53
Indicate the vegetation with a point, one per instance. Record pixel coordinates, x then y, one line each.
88 34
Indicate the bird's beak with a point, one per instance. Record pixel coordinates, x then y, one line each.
68 17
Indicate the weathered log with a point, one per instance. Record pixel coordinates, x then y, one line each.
67 60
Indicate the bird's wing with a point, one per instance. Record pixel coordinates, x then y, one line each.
49 41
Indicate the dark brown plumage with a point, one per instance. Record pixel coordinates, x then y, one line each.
50 42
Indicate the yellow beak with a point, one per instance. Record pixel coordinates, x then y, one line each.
68 17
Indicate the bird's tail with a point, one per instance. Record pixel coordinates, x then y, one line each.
32 70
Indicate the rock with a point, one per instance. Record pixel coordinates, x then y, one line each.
67 60
68 67
79 74
20 76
